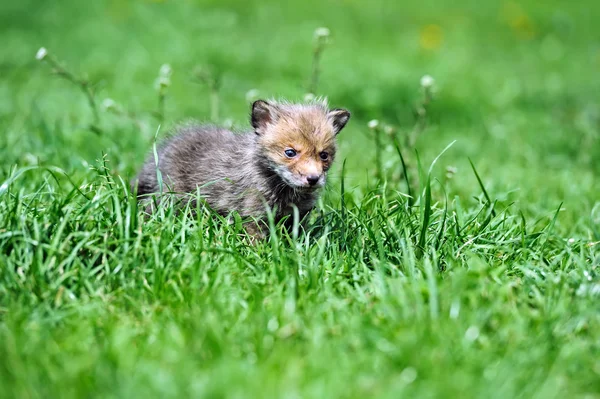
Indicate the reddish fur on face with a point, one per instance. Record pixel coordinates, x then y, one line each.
309 132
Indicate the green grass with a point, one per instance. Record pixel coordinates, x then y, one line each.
487 286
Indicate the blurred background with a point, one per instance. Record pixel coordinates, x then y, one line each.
516 84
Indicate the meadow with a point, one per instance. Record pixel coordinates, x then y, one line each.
455 252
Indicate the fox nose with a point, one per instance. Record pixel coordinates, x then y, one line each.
312 179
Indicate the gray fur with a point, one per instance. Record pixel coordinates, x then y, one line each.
228 169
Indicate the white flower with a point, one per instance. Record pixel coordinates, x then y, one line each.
309 97
373 124
165 70
322 33
228 123
41 54
451 171
109 104
164 81
252 95
427 81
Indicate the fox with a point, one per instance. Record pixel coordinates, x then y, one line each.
280 164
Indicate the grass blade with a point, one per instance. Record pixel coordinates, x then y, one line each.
411 199
485 194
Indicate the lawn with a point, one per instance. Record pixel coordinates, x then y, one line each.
473 270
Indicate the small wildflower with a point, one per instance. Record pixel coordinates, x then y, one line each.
252 95
41 54
228 123
389 130
431 37
373 124
427 82
163 82
109 104
165 70
309 97
322 33
571 240
164 77
451 171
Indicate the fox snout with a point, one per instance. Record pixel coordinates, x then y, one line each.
312 179
310 174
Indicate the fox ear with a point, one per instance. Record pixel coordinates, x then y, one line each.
338 117
263 114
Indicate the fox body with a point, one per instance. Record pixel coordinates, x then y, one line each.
282 163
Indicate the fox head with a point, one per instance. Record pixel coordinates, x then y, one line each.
298 140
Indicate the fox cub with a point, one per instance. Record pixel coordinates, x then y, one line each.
282 163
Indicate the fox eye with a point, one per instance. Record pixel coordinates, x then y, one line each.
290 153
324 156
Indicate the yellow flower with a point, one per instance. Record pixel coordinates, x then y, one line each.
516 17
431 37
